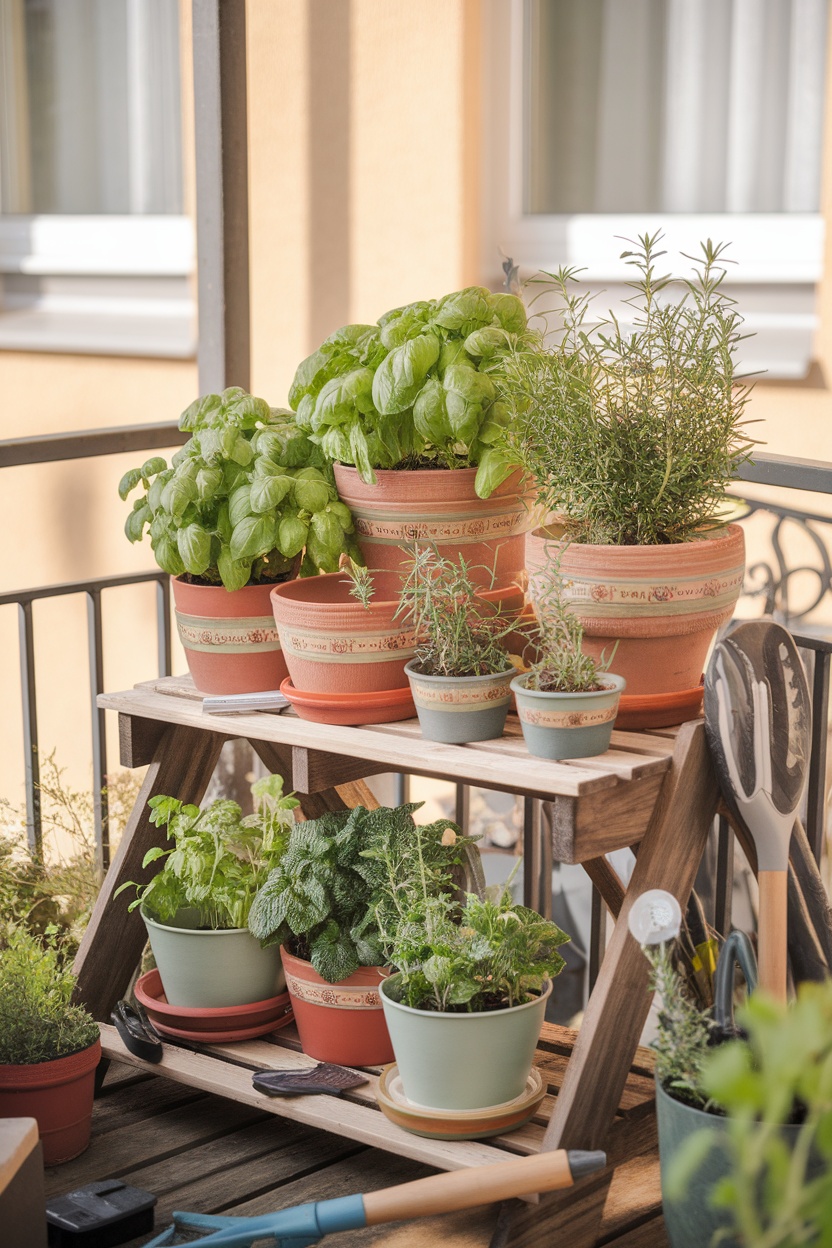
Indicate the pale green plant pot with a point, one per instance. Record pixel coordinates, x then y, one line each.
568 725
210 969
459 709
463 1061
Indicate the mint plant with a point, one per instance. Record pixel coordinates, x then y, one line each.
487 954
38 1021
219 858
242 501
418 388
334 893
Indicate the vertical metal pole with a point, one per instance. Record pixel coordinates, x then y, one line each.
163 624
724 876
34 832
221 136
99 727
816 787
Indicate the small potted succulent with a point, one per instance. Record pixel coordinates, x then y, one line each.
328 902
408 413
632 433
247 501
49 1048
744 1121
567 701
196 908
468 998
461 674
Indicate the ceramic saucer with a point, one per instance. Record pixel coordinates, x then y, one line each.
461 1124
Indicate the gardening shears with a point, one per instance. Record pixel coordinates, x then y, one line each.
441 1193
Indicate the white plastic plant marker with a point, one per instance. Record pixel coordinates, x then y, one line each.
655 917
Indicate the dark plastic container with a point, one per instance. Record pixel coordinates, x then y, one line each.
99 1215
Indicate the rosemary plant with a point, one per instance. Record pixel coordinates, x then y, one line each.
634 432
361 579
562 666
457 633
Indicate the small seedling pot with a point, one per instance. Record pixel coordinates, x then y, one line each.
342 1022
209 969
568 725
59 1095
458 709
463 1061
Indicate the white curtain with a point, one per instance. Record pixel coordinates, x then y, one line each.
682 105
98 103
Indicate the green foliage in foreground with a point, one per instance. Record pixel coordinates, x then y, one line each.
781 1074
337 887
245 497
633 432
37 1021
219 858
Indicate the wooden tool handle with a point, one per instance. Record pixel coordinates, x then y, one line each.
464 1189
773 932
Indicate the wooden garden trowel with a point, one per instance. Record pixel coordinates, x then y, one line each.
758 723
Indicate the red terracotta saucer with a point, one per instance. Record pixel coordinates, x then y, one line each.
382 706
659 710
215 1025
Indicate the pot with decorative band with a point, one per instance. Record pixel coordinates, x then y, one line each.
332 642
661 604
341 1022
459 709
229 637
568 725
439 507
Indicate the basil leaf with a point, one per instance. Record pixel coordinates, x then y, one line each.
234 573
129 482
401 374
195 548
253 536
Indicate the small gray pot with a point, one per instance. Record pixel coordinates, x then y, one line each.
463 1061
568 725
458 709
209 969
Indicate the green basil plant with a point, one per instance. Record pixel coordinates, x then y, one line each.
244 499
418 388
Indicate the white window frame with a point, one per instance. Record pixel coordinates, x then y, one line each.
772 252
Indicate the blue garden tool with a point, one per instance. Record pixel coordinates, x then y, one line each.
441 1193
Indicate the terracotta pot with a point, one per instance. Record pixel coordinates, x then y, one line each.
332 643
350 709
59 1095
230 639
663 604
343 1022
440 507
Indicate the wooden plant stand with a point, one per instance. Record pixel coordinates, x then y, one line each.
657 792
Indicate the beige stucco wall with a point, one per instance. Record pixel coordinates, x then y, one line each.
364 150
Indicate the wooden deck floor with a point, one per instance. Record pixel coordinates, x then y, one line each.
204 1153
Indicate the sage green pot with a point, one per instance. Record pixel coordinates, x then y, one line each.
209 969
568 725
458 709
689 1219
463 1061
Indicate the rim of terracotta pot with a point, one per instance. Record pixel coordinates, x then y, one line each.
57 1070
379 698
543 995
619 684
413 670
331 593
726 534
145 988
370 973
433 483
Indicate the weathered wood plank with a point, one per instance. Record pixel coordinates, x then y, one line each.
138 740
598 823
669 857
112 944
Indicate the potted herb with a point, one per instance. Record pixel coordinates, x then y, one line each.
49 1048
328 902
407 411
242 503
632 434
460 675
567 701
467 1002
744 1126
196 908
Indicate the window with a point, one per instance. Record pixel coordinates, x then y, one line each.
701 117
95 253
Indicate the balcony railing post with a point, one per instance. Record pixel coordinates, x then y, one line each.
34 832
163 624
99 728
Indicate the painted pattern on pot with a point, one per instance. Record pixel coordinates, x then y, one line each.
566 719
440 507
333 996
342 1022
230 639
662 604
332 643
